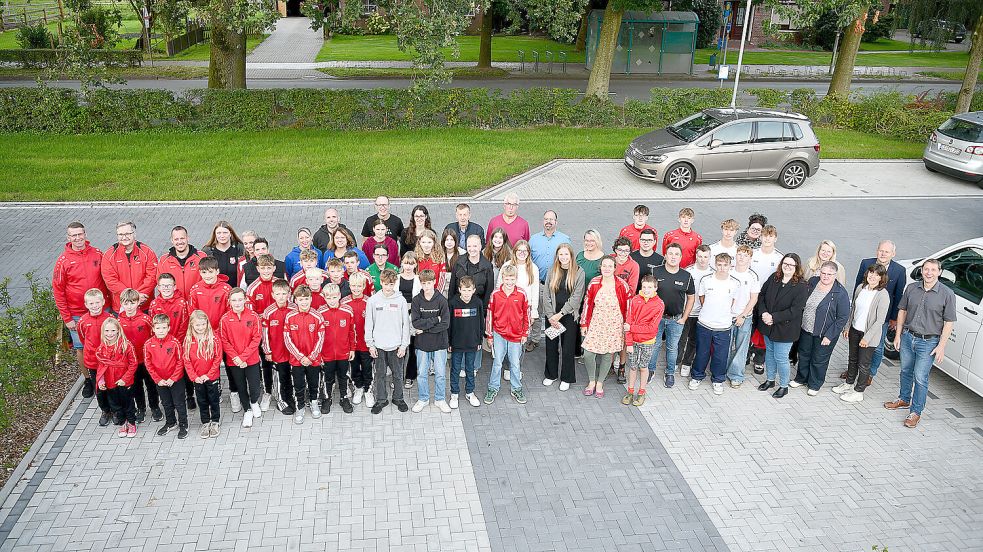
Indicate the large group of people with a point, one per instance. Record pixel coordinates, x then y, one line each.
414 303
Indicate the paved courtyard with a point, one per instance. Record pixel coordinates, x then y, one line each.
687 471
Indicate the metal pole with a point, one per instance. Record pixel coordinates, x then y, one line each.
836 47
740 56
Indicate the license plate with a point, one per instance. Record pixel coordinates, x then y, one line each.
950 149
630 161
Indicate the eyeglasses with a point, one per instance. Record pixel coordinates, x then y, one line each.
622 250
511 204
827 274
124 234
380 254
522 251
754 229
789 265
382 205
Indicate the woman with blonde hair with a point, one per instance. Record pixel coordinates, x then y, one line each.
825 253
562 297
202 354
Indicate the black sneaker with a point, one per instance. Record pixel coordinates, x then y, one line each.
192 404
165 429
401 405
156 414
759 369
326 406
117 420
182 433
346 406
88 388
621 375
105 419
377 408
141 416
288 411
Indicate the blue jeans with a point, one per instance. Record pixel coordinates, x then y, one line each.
673 330
503 348
916 363
76 341
875 361
712 347
437 359
740 337
776 360
463 360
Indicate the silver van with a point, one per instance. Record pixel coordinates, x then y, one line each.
956 147
728 144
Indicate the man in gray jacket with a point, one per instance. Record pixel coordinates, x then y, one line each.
387 335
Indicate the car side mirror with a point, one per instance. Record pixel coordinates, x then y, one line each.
715 144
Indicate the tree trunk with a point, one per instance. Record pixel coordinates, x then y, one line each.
484 47
965 97
847 58
582 31
600 72
227 59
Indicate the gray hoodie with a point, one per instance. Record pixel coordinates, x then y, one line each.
387 322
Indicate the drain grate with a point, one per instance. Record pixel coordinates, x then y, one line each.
955 412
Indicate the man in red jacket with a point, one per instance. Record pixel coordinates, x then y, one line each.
181 261
77 270
129 264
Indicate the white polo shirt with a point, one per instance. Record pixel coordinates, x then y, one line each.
749 284
718 299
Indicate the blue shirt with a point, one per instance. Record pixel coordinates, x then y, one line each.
544 250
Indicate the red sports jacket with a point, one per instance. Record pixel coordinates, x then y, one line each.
241 335
298 279
163 359
259 295
115 364
273 327
197 365
213 299
137 329
90 332
643 319
369 282
138 271
185 275
508 315
339 332
620 289
304 336
357 307
176 309
75 273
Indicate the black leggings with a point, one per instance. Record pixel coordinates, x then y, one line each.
560 351
247 384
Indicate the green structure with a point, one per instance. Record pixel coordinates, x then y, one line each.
658 42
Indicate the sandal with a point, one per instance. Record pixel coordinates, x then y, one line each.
599 394
588 391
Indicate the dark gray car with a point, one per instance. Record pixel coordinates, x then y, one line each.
728 144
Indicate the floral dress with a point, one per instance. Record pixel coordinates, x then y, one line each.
606 331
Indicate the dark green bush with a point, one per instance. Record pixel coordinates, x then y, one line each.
34 36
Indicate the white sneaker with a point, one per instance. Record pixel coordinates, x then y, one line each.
419 406
694 384
473 400
463 375
852 396
507 374
357 397
299 416
247 420
564 386
842 388
793 384
454 401
256 410
315 410
442 405
812 392
369 399
264 403
236 403
548 382
718 388
683 371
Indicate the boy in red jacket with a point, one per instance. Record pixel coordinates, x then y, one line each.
116 363
241 334
351 262
162 355
274 348
89 328
303 336
260 295
137 328
202 356
362 361
170 301
315 281
641 324
308 260
507 328
339 346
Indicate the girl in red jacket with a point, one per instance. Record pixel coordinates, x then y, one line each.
162 356
202 356
641 325
116 366
241 335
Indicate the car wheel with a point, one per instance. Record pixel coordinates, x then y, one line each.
679 176
793 175
889 350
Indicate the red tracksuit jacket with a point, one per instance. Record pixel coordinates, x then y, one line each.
357 307
339 332
304 336
163 359
643 319
185 275
138 271
259 295
298 279
75 273
241 335
213 299
369 282
115 364
197 365
508 315
273 327
90 332
137 329
176 309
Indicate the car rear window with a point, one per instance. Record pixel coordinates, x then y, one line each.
960 129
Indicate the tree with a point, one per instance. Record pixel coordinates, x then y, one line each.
230 20
710 15
600 73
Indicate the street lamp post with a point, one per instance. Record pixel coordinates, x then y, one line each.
740 56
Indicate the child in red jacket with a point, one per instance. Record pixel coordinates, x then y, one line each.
116 363
275 350
507 328
170 301
339 346
260 296
303 335
241 334
162 355
361 365
202 356
211 295
89 328
137 328
641 325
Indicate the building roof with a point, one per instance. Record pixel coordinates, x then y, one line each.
656 17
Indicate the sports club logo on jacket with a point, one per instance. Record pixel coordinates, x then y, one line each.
311 327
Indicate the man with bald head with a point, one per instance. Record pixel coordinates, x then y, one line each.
394 226
332 222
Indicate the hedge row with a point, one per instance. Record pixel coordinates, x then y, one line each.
48 110
47 57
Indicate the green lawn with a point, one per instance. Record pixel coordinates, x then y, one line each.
305 164
916 59
200 52
383 48
8 39
889 44
387 72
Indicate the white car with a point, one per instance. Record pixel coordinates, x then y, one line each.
962 271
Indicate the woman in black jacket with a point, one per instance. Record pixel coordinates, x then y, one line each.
826 312
780 304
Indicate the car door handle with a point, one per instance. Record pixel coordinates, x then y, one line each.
969 310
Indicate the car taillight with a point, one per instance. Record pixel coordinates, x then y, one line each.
974 150
816 147
934 137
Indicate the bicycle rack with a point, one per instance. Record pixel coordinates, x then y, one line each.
535 57
522 60
563 62
549 62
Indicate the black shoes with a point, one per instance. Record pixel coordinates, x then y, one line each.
780 392
182 433
326 406
288 411
377 408
88 388
401 405
768 384
192 404
105 418
759 369
166 428
141 416
156 414
346 406
621 375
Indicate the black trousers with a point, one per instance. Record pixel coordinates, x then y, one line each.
858 361
229 367
209 396
102 397
306 379
267 375
362 370
189 387
246 383
410 361
687 342
560 352
286 378
335 371
813 359
144 398
121 403
174 400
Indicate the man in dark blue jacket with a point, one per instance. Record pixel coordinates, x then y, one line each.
896 281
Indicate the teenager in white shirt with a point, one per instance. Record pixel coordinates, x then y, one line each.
717 294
